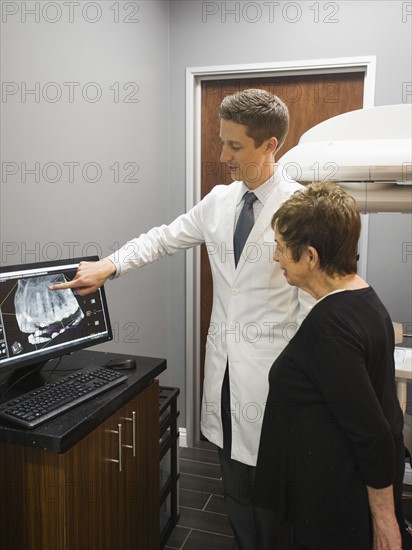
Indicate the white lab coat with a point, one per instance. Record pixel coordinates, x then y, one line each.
254 314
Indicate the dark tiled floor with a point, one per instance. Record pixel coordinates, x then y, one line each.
203 523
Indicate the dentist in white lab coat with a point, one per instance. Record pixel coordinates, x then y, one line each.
255 312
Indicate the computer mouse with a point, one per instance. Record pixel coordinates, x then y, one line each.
121 363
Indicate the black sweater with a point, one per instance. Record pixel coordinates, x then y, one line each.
332 422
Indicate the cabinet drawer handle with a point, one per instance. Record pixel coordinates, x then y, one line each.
133 421
119 442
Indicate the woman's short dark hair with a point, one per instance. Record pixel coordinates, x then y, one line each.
326 217
264 114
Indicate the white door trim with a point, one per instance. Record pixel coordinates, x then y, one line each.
194 78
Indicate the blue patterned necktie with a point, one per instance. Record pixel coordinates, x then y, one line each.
244 224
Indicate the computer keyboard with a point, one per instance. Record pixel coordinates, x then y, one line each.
36 406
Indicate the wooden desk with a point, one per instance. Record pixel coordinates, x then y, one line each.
62 486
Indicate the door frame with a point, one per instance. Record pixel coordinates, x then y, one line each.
194 78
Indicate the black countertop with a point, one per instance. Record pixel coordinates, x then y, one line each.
65 430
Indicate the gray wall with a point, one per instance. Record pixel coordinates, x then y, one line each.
154 52
95 124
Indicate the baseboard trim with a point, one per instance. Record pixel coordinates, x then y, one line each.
182 437
408 474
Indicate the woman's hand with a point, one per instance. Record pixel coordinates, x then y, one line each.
387 537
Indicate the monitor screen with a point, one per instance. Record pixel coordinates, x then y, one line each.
38 324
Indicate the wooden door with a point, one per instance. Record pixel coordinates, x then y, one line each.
311 99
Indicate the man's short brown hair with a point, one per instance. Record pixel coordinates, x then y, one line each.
264 114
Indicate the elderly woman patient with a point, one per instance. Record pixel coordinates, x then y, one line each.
331 454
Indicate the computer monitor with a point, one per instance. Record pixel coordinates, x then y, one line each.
38 324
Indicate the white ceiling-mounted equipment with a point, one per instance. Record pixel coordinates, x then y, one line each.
368 152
